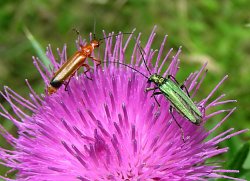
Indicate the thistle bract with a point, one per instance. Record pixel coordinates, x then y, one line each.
109 128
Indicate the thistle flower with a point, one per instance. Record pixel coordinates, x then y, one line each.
108 128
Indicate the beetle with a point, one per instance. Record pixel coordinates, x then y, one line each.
173 92
70 67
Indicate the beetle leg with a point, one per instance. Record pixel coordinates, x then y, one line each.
157 102
88 69
67 83
170 76
183 87
150 88
154 94
182 132
98 62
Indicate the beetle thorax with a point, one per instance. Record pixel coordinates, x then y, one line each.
157 79
87 50
95 43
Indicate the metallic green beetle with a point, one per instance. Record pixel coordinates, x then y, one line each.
179 99
171 89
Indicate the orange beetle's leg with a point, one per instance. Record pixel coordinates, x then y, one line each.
84 65
98 62
88 69
67 83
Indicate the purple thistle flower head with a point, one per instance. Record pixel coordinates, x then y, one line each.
109 128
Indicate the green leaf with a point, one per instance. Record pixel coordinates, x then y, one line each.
236 163
38 48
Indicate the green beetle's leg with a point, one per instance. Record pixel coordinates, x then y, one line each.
182 132
183 87
170 76
151 88
154 93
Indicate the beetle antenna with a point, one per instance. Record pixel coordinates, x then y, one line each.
141 51
76 31
116 35
78 36
127 66
94 27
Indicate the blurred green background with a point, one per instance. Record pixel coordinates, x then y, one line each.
214 31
